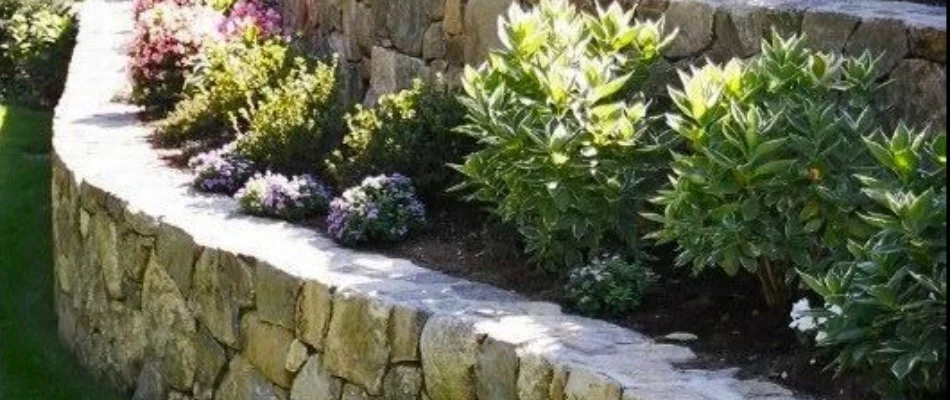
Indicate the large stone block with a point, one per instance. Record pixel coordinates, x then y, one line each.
223 285
244 382
585 385
828 31
315 382
496 371
881 37
265 346
276 293
449 346
534 377
694 21
392 71
171 327
313 314
402 382
407 324
481 27
175 251
406 21
357 344
210 357
918 94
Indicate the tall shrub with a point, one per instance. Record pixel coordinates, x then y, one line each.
560 126
764 183
36 42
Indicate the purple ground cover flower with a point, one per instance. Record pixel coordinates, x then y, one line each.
275 195
220 171
383 207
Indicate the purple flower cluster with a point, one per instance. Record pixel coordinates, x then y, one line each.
275 195
383 207
220 171
251 18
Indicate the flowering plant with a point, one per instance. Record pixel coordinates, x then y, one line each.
382 207
140 6
607 285
251 19
167 37
220 171
275 195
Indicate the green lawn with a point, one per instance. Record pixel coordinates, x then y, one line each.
33 364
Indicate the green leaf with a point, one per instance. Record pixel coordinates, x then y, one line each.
773 168
904 366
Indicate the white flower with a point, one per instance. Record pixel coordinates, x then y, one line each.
801 321
835 309
821 336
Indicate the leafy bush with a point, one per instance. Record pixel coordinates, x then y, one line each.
224 78
891 300
381 208
36 42
409 132
559 142
140 6
291 127
167 38
275 195
220 171
765 183
251 20
607 286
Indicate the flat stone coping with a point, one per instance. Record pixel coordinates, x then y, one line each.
103 144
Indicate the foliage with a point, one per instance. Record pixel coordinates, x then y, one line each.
36 41
381 208
225 77
167 38
893 296
251 20
409 132
220 171
560 133
275 195
290 128
607 286
765 183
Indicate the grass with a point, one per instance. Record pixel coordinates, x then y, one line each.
33 363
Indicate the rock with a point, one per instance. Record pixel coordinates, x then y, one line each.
223 285
651 9
296 356
313 314
828 31
127 343
175 395
558 383
886 38
243 382
917 94
583 384
681 337
105 240
357 344
210 357
314 382
695 23
136 250
433 43
407 326
481 27
265 346
392 71
353 392
150 384
452 21
929 43
406 21
171 327
534 377
435 9
84 218
449 346
140 223
353 12
175 251
496 371
402 382
276 293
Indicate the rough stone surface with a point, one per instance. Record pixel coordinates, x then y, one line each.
481 27
243 382
150 384
353 392
276 293
211 357
406 328
582 384
452 18
223 285
358 345
407 21
315 382
175 252
911 93
403 382
392 71
313 314
449 347
534 377
828 31
265 346
296 356
171 327
433 43
695 23
496 371
886 38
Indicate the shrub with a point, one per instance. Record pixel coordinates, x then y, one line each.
765 181
274 195
886 311
220 171
381 208
36 42
409 132
607 286
251 20
223 80
560 145
140 6
291 127
167 38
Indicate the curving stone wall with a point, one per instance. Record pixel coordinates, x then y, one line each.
388 42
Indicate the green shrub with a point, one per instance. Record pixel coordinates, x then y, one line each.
765 182
891 300
292 127
560 134
409 132
224 80
36 42
607 286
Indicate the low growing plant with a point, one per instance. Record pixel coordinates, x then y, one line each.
251 20
275 195
562 127
409 132
607 286
765 184
382 208
292 127
891 299
220 171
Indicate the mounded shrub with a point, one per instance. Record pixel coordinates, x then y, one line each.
251 20
607 286
220 171
275 195
36 42
382 208
409 132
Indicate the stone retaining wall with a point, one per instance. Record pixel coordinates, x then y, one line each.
388 42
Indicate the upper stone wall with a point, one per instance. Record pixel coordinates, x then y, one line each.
388 42
171 294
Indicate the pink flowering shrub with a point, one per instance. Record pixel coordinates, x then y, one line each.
251 19
141 6
167 37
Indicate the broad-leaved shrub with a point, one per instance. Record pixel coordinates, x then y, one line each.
36 41
607 286
382 208
561 125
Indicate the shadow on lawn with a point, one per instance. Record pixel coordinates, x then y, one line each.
33 363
